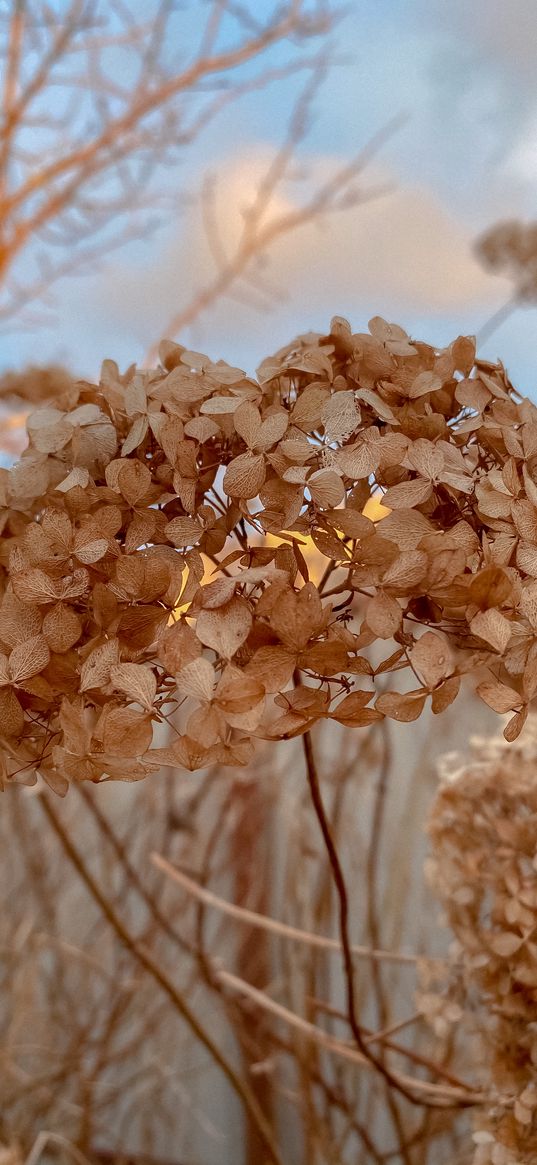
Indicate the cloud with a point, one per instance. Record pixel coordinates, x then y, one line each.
466 72
483 65
403 254
495 34
522 161
404 248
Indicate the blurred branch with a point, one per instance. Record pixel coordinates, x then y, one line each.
146 960
497 319
258 233
271 924
372 871
509 248
44 1139
132 875
97 104
431 1093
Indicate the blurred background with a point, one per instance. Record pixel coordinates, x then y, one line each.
451 91
230 175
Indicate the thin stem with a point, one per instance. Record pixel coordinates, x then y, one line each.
448 1096
145 960
130 873
264 922
343 900
372 872
45 1138
497 319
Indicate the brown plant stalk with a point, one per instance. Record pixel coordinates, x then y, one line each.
144 958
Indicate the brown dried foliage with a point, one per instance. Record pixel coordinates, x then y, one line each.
484 867
131 489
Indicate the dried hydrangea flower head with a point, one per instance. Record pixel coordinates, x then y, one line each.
483 829
152 564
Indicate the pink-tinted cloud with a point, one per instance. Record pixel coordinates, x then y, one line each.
402 254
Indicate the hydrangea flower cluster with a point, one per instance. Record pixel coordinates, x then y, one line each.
483 828
153 565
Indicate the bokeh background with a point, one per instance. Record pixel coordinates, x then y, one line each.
442 99
464 79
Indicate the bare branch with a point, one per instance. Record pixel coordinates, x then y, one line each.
251 918
436 1092
257 235
83 145
151 967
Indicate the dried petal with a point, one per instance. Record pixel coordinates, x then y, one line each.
225 629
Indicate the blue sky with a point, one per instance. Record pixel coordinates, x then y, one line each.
466 77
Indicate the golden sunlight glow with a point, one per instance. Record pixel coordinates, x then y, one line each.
374 508
316 562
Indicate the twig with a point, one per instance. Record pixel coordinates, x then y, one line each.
339 881
497 319
372 919
263 922
440 1092
45 1138
145 959
131 874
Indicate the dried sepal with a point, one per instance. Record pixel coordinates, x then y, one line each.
483 868
231 550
